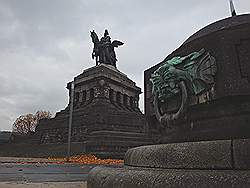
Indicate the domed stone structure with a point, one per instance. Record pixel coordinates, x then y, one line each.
201 105
223 112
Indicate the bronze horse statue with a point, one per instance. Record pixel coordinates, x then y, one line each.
95 40
103 50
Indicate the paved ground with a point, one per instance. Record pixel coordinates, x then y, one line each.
44 185
33 172
20 159
12 172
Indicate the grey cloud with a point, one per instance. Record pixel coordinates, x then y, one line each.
45 43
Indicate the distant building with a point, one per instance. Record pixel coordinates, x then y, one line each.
5 136
16 137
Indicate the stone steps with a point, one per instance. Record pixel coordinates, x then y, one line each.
135 177
113 138
119 128
118 143
220 163
105 132
219 154
114 143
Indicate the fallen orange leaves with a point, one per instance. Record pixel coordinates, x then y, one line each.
87 159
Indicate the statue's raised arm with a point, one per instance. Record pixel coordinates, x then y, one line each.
117 43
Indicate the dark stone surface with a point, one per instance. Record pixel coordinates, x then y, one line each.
223 118
132 177
191 164
114 144
241 152
39 150
12 172
189 155
220 25
5 136
228 41
106 116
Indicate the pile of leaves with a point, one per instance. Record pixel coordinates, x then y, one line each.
88 159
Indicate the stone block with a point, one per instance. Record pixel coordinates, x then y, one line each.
132 177
103 119
189 155
228 42
241 153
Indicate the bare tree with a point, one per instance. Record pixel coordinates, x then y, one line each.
42 115
26 124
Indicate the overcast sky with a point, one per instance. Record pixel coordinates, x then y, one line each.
45 43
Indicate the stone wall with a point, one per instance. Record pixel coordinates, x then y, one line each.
105 105
225 113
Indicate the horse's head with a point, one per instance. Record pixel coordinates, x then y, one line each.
94 36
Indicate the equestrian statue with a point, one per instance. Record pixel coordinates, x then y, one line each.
103 51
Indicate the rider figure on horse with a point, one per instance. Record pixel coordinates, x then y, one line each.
104 49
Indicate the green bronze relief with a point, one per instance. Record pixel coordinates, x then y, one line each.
187 76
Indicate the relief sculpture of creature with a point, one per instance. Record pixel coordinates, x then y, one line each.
186 76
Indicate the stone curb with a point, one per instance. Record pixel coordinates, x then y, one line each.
190 155
220 154
134 177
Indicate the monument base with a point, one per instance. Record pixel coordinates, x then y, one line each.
132 177
222 119
221 163
106 117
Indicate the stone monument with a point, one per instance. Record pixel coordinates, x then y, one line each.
198 100
106 117
103 51
211 98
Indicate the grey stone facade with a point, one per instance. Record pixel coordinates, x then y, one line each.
106 116
224 111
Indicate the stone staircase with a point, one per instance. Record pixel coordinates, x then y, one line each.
105 144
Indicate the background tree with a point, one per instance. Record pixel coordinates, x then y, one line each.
42 115
25 124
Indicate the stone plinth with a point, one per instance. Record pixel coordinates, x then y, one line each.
106 117
191 164
134 177
188 155
209 145
223 112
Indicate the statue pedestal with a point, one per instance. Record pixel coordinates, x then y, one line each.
106 116
212 146
195 164
223 111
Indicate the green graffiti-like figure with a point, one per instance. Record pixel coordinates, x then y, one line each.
189 75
